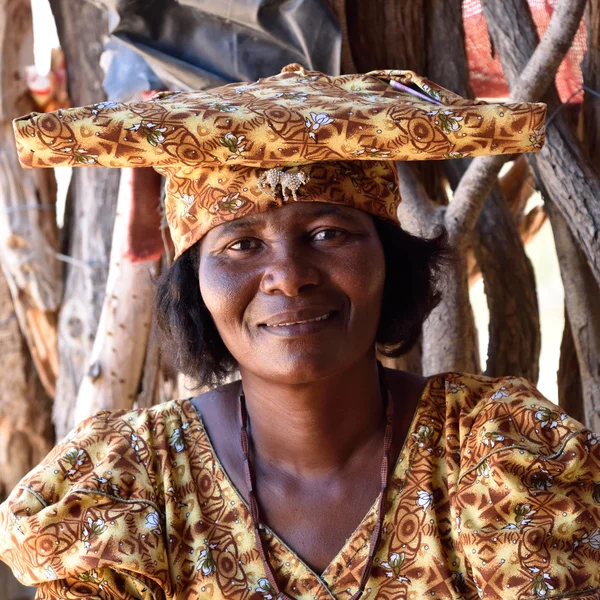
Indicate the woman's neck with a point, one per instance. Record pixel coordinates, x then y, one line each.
318 428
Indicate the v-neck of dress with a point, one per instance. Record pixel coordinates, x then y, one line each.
352 545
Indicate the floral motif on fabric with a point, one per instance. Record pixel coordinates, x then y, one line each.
149 512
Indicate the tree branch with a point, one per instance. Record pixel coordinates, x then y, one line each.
480 177
417 213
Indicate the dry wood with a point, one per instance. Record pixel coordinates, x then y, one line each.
509 284
90 212
28 232
115 364
449 335
149 392
26 433
583 309
346 60
590 69
388 35
570 394
568 174
481 175
571 187
28 245
514 340
517 187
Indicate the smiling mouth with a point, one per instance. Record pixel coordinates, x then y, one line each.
314 320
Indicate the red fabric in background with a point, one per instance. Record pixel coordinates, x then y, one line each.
487 79
144 240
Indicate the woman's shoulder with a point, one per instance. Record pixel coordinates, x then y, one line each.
525 489
495 412
98 490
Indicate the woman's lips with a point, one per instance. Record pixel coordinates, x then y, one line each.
298 327
298 322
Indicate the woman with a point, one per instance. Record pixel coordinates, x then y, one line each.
318 474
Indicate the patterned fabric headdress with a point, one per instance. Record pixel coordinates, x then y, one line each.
297 136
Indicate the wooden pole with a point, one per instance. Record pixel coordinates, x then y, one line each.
91 208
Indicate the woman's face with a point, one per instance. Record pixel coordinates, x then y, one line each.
295 292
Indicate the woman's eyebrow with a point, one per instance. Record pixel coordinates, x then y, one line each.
255 220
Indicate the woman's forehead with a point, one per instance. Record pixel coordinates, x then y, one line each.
292 214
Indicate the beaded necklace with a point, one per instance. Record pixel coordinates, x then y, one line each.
254 513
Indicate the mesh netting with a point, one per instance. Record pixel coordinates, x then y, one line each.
487 79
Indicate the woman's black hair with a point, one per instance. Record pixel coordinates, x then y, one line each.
191 342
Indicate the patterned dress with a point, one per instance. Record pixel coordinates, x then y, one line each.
495 495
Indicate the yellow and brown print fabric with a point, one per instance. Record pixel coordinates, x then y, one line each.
495 495
199 199
297 118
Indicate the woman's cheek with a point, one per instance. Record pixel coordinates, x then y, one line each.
225 289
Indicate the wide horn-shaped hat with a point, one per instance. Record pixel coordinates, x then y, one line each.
297 136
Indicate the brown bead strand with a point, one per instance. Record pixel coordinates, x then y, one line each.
254 513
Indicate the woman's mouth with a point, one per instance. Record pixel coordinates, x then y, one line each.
297 326
290 323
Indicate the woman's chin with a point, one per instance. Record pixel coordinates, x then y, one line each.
299 368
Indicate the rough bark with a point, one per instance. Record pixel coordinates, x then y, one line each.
583 310
449 334
26 433
91 212
509 284
149 392
567 176
27 272
114 367
570 393
589 345
28 232
514 336
480 177
570 177
387 35
346 60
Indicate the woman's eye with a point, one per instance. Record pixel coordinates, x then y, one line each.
243 244
326 234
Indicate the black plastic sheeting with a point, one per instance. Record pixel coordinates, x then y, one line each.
198 44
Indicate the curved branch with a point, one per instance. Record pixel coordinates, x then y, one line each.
417 213
480 177
541 69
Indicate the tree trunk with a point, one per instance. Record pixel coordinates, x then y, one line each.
570 393
118 356
583 310
26 434
509 284
28 232
91 211
571 185
29 276
387 35
570 177
514 332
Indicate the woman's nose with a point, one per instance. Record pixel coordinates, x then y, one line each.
289 271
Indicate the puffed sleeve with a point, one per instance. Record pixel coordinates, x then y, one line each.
528 497
87 523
